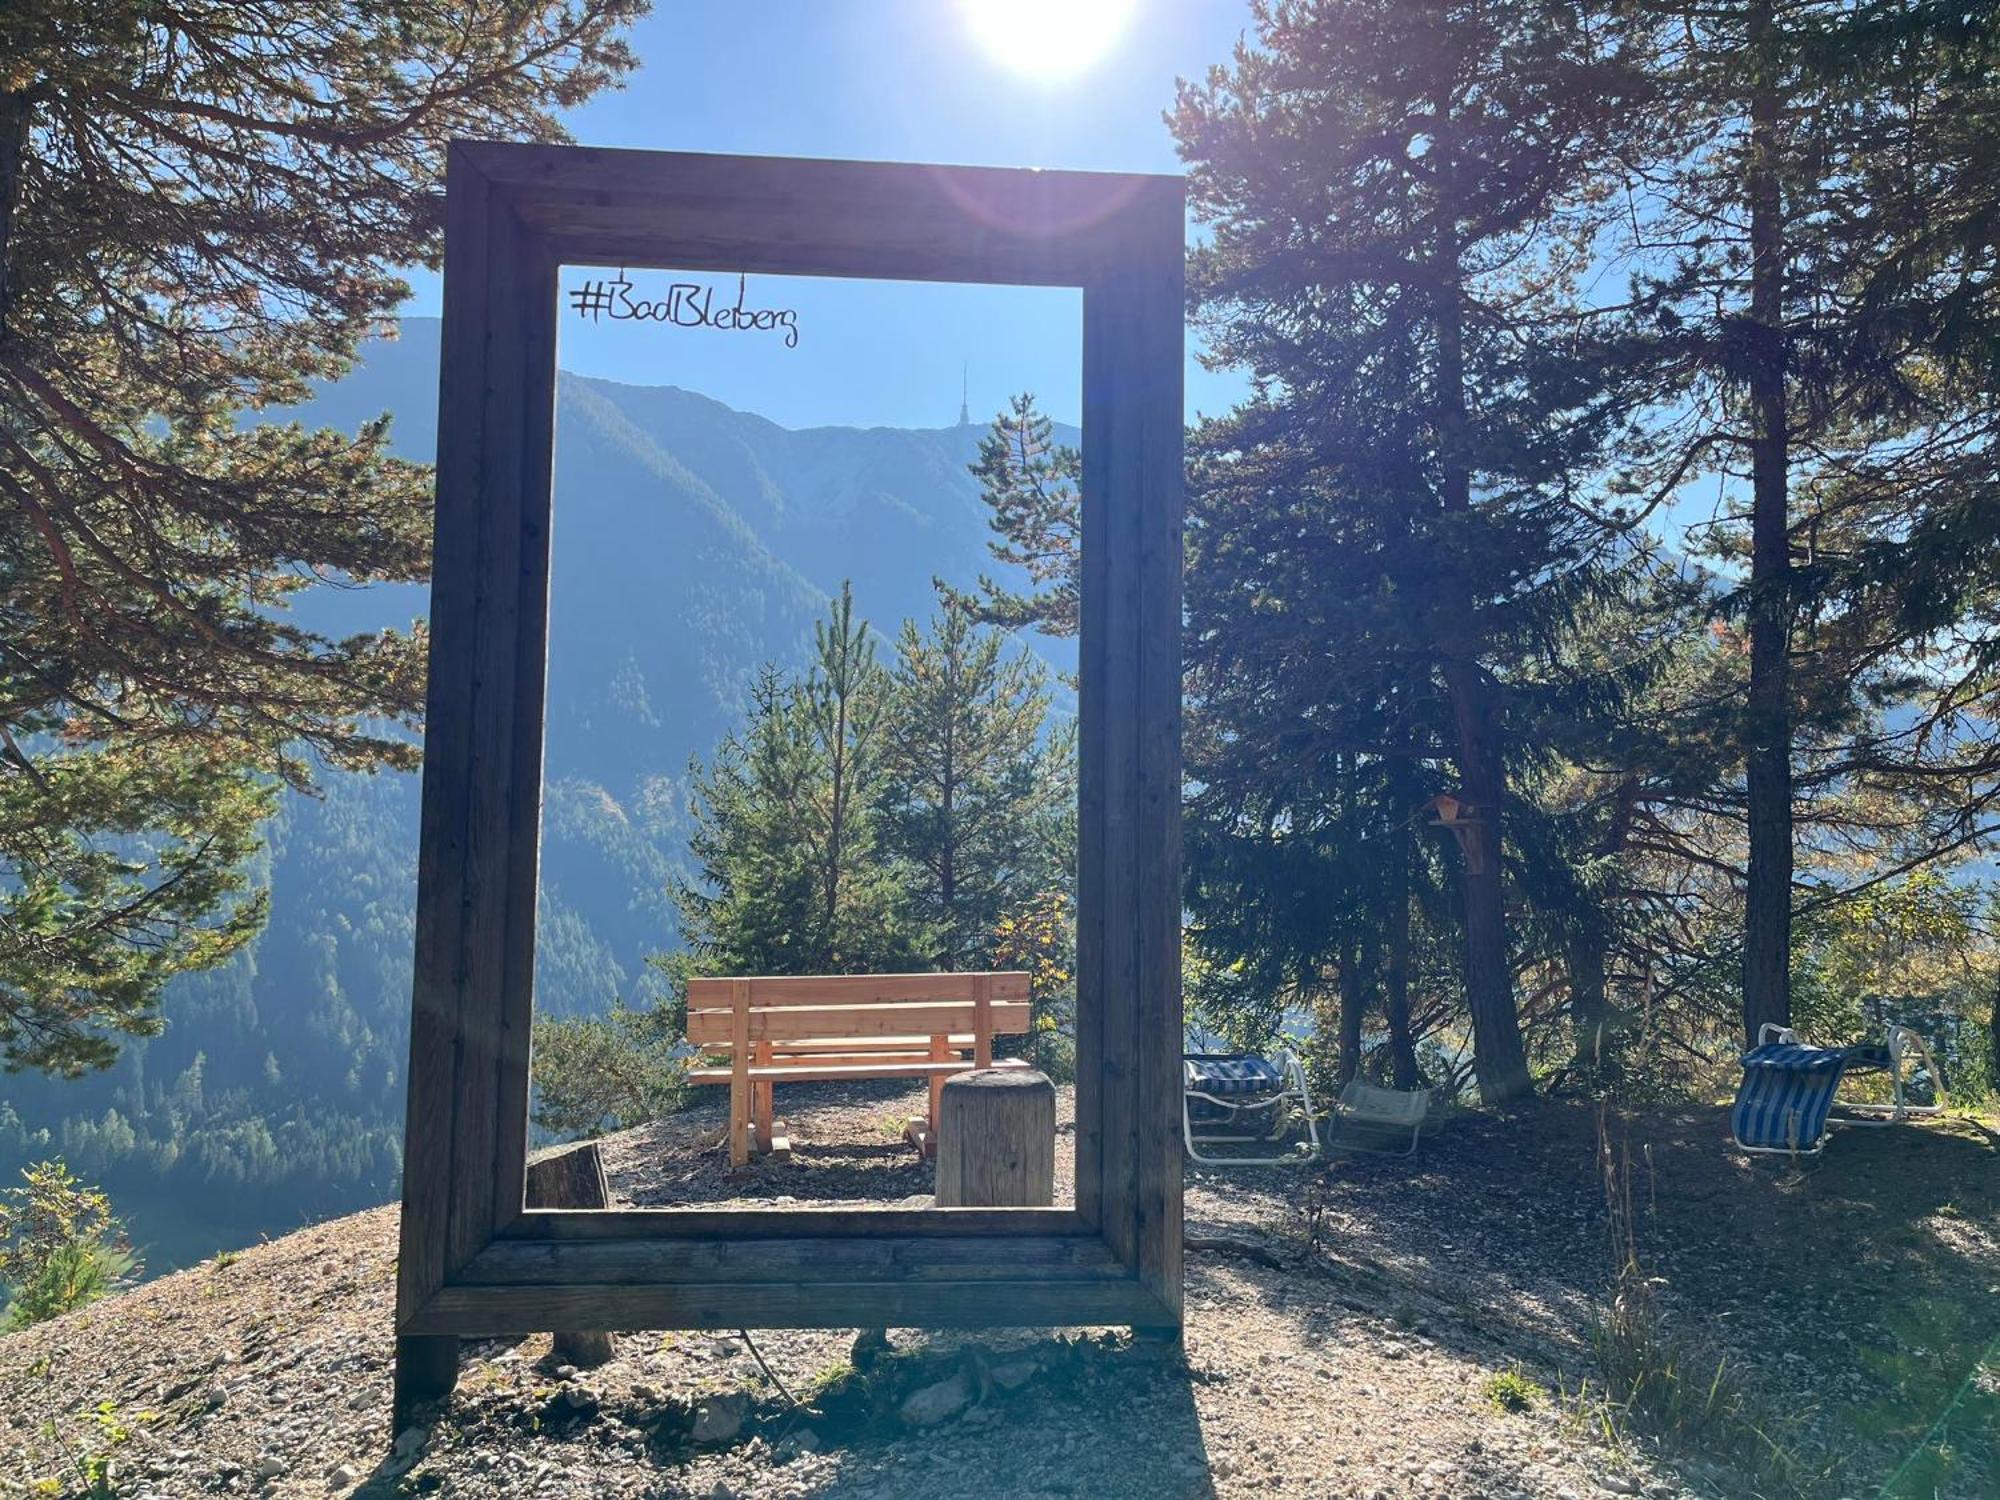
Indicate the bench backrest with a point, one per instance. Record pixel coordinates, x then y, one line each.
784 1008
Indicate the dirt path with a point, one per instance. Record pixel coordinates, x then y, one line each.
1343 1340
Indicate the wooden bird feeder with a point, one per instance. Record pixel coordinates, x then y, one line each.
1468 823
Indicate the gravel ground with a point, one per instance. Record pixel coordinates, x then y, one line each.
1342 1331
847 1147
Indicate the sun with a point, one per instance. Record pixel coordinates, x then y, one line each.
1047 40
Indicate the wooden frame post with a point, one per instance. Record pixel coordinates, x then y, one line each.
474 1259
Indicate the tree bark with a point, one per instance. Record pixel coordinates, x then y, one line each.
1993 1038
1353 1005
1588 949
1396 967
1588 1012
1500 1062
996 1140
1767 915
17 113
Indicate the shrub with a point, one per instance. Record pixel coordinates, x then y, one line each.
60 1246
596 1074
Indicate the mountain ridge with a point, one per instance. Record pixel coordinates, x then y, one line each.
691 543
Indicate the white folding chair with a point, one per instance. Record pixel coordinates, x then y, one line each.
1377 1112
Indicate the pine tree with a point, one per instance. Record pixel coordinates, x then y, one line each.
1031 484
1400 202
973 782
1807 243
202 210
792 875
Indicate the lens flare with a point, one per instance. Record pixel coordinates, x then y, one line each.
1046 40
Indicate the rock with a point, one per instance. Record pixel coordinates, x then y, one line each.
1618 1484
574 1401
720 1418
270 1466
340 1477
410 1442
935 1403
1012 1374
721 1492
565 1372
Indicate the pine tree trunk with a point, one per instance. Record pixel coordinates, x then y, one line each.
1396 968
1993 1040
1588 955
1767 917
16 114
1499 1060
1587 1009
1353 1003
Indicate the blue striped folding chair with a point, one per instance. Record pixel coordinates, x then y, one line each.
1788 1100
1240 1099
1786 1097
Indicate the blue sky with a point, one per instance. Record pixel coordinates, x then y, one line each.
900 80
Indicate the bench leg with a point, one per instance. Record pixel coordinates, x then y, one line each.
761 1101
739 1072
940 1052
739 1120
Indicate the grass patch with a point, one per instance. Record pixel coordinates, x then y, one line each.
1656 1378
1512 1390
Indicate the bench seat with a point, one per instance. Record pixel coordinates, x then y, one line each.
811 1072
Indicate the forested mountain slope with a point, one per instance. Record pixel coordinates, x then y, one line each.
692 543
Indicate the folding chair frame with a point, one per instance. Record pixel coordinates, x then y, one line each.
1345 1114
1905 1047
1238 1106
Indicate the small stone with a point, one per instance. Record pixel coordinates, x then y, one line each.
270 1466
721 1492
934 1403
565 1372
340 1477
645 1393
217 1395
1618 1484
1012 1374
577 1400
410 1442
720 1418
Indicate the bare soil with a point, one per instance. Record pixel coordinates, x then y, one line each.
1344 1331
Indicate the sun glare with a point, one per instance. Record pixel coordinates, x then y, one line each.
1047 39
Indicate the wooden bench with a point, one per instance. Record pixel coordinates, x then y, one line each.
754 1033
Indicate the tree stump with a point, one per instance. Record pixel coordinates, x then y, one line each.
572 1177
997 1140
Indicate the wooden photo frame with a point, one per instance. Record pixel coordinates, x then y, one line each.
474 1260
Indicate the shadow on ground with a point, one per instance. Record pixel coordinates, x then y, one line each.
1854 1299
